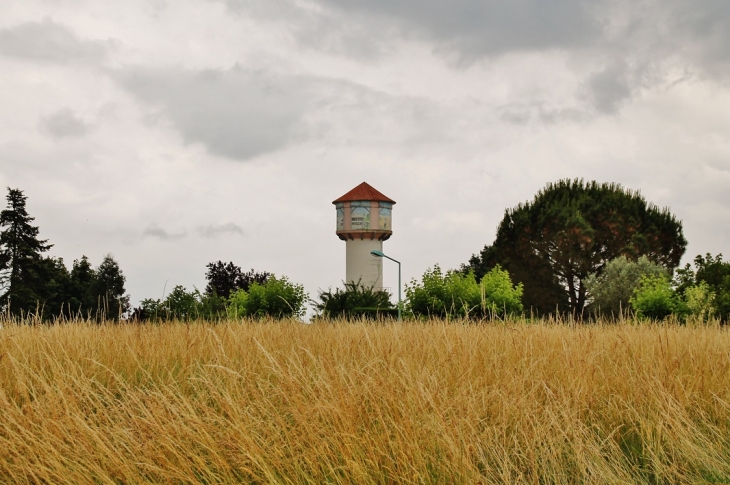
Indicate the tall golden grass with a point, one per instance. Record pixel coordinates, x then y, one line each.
436 402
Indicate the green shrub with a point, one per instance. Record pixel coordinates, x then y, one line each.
277 298
455 294
655 299
498 295
443 295
353 301
700 301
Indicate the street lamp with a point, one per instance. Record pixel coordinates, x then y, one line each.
380 254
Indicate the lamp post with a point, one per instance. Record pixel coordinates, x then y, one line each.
380 254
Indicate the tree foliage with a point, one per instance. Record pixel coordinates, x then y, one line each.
277 298
715 274
226 278
21 257
611 291
700 301
181 304
108 287
457 294
572 229
656 299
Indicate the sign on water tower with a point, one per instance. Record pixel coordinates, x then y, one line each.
364 221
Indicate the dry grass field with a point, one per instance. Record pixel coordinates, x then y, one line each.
437 402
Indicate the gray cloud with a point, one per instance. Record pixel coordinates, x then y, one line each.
473 28
49 41
213 231
517 115
236 113
702 33
622 46
64 123
466 29
155 231
609 88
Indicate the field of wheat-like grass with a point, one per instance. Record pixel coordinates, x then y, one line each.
437 402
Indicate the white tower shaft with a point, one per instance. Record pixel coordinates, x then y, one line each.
363 266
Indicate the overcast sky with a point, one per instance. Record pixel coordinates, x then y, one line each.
176 133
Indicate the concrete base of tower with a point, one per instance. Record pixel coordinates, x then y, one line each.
363 266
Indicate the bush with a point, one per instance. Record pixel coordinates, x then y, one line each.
498 295
611 291
455 294
655 299
353 301
277 298
700 301
442 295
181 304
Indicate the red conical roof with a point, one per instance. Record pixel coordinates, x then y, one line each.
364 191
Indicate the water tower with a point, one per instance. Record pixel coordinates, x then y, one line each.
364 221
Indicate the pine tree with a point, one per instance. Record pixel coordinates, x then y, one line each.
108 287
21 260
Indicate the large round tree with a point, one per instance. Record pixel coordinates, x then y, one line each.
572 229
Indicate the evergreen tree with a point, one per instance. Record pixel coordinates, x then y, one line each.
54 290
82 301
21 260
108 289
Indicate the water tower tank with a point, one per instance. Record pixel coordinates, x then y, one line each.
364 221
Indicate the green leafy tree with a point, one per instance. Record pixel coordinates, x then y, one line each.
498 295
714 272
149 309
225 278
572 229
21 260
181 304
611 291
700 301
656 299
277 298
442 295
353 301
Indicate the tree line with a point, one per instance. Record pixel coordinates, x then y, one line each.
39 286
584 250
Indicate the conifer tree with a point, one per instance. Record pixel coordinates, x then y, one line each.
108 287
21 260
